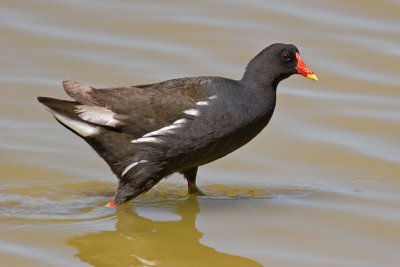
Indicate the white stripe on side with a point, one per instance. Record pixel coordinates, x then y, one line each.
146 140
164 130
202 103
180 121
130 166
192 112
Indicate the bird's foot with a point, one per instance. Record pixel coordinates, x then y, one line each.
195 191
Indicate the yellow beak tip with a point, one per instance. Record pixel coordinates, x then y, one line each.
312 77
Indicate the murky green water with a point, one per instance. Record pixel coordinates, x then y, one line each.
318 187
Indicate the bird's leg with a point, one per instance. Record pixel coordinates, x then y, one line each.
190 176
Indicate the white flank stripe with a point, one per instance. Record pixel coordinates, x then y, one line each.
81 128
180 121
133 165
202 103
129 167
213 97
193 112
146 140
164 130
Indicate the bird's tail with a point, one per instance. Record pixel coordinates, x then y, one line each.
64 112
109 143
113 146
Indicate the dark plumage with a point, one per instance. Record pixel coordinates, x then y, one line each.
147 132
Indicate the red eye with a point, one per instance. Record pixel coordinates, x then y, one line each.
286 57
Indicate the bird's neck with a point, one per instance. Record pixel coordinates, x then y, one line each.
260 81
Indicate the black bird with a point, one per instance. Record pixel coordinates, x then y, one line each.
147 132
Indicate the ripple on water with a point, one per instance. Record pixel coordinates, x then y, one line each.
166 193
75 201
85 201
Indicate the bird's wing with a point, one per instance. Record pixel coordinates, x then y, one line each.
138 110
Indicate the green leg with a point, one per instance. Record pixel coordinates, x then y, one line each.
190 176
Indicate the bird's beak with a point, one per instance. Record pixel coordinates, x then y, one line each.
303 69
111 203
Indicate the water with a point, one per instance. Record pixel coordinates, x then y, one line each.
318 187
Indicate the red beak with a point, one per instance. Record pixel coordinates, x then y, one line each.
111 203
303 69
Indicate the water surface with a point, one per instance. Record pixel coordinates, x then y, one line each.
318 187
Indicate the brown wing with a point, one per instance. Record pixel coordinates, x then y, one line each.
140 109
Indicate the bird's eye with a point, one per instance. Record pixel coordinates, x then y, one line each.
286 57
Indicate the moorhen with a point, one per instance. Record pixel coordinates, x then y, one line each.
147 132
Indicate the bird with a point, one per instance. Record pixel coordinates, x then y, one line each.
147 132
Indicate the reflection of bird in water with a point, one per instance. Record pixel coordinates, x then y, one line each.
138 241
